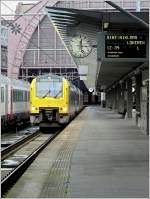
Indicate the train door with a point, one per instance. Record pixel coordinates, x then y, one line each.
2 100
6 99
10 102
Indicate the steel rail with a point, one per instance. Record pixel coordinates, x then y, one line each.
10 149
20 169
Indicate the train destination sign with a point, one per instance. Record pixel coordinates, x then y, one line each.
125 46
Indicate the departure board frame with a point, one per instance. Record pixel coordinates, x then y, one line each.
125 46
118 46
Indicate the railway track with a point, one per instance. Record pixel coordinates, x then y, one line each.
11 142
15 165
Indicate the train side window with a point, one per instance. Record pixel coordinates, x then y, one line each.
25 96
13 97
22 94
17 96
2 94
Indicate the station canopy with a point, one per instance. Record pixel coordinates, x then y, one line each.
102 73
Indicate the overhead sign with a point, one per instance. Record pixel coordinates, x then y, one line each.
125 46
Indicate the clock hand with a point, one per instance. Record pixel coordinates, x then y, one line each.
81 43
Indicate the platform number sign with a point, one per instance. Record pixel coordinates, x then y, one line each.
125 46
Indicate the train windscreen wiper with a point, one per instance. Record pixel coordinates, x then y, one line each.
57 93
46 94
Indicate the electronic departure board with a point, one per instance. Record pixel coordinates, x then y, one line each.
125 46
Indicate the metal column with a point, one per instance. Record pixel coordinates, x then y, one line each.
129 98
123 102
138 91
116 91
113 98
119 97
108 100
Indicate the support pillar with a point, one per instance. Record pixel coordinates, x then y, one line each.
111 98
123 105
103 98
129 98
122 100
119 97
138 91
115 97
108 99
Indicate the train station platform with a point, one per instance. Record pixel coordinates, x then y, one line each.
98 154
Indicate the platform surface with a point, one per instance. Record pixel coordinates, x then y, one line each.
99 155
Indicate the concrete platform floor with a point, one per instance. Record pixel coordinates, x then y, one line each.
98 155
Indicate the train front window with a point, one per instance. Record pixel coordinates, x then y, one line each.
49 87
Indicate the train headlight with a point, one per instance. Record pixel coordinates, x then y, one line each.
33 108
64 109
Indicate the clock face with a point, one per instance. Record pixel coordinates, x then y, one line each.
80 46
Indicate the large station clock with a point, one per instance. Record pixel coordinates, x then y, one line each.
80 46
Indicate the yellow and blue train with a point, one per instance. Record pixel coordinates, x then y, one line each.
54 99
